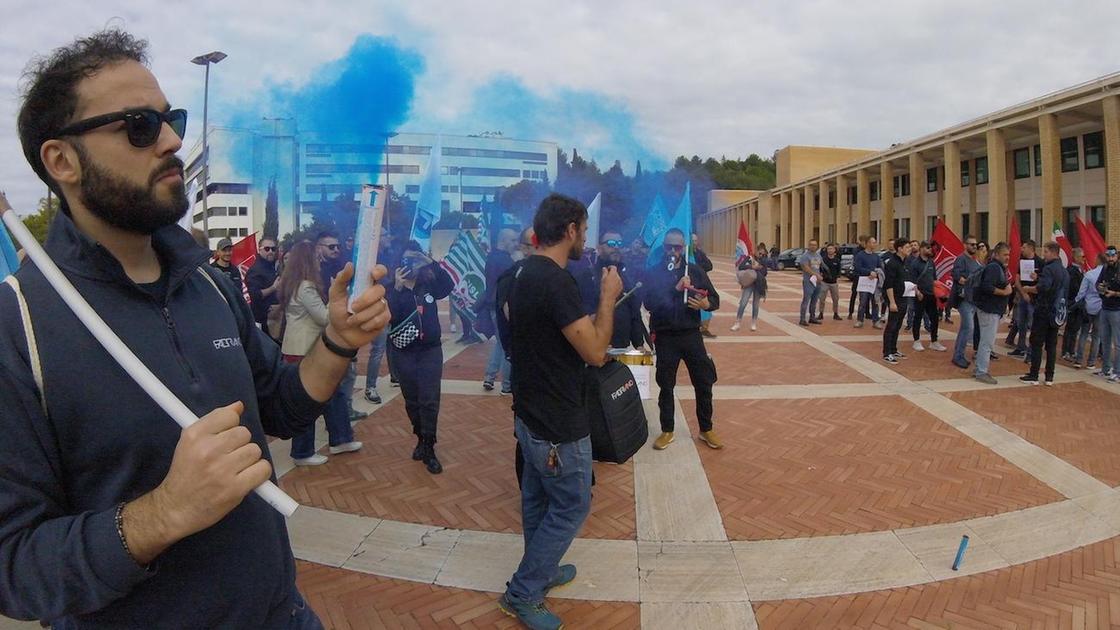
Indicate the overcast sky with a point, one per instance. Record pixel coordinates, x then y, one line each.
718 77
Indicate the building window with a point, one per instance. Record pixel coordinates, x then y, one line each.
1094 149
1022 159
982 219
243 211
227 189
853 195
897 185
831 198
1037 161
1096 215
875 191
243 231
411 189
931 224
964 174
218 211
1070 161
1024 217
905 185
931 179
966 223
901 228
982 170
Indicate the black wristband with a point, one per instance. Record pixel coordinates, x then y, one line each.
337 349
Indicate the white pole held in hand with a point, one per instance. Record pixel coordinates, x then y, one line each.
144 377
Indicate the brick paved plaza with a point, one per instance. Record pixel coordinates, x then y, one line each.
839 501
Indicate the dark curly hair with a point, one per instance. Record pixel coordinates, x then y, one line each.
50 97
553 217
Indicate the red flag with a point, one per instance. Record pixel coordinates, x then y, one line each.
1087 236
1016 245
946 247
243 255
1060 238
744 247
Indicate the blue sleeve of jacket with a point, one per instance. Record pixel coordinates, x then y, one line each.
861 263
52 563
285 406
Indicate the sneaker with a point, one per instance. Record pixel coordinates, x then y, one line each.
803 323
707 333
356 415
393 383
1076 365
1048 383
348 447
858 325
1115 378
986 378
754 326
918 347
937 346
877 325
818 322
454 327
535 616
1093 370
836 316
488 385
1017 352
1028 379
565 574
372 396
506 390
890 358
735 327
663 441
961 363
899 355
314 460
709 438
993 357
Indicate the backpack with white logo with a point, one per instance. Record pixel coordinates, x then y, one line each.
973 282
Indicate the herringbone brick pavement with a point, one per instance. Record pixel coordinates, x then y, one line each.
813 467
929 365
774 364
345 600
477 490
722 325
1075 421
470 364
1077 589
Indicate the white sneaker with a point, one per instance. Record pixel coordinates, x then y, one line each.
937 346
348 447
735 327
918 346
454 328
314 460
754 326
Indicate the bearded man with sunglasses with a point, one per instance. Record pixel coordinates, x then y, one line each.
111 516
262 281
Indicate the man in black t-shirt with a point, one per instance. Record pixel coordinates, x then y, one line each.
894 287
551 340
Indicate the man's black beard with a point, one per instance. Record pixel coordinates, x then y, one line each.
576 252
127 206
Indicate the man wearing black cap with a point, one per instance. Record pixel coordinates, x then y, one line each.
222 262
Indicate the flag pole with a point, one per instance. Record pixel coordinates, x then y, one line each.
109 340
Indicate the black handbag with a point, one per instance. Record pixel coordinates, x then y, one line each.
617 418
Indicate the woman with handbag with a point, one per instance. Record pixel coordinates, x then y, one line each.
752 279
305 317
415 348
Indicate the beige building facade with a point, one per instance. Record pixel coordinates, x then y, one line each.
1044 161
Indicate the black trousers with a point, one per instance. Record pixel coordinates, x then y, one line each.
853 299
890 333
419 372
1074 321
923 308
672 348
1043 331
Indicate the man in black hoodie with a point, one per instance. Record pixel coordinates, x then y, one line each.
414 345
111 516
893 287
262 281
629 329
923 272
675 293
1051 284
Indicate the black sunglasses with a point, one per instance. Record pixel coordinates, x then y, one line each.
143 125
332 246
266 248
673 248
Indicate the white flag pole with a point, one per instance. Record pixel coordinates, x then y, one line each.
109 340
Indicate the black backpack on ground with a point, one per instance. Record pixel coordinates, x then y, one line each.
617 418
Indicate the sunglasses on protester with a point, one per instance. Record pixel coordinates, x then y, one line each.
332 246
142 125
266 248
613 242
674 248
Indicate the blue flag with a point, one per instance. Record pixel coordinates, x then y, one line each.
682 220
656 221
9 262
429 206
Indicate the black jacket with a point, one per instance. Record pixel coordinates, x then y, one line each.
896 278
433 283
830 269
667 308
231 272
922 272
629 329
1053 281
101 441
260 277
702 260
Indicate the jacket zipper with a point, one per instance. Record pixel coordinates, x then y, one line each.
166 312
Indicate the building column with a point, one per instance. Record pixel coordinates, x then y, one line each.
843 212
785 220
998 209
795 233
810 215
863 201
826 217
1112 168
1049 143
917 197
952 208
886 199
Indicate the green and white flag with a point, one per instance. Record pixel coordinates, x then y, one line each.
466 264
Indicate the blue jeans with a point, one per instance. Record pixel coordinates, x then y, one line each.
303 618
1090 332
1109 323
965 311
809 293
1024 316
868 305
748 294
337 416
989 325
376 354
498 361
554 503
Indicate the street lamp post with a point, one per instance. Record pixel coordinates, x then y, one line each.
206 60
388 195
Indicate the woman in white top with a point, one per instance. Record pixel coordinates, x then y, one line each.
305 317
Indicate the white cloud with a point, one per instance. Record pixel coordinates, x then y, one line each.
721 77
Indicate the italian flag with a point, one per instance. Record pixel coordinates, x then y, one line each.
1060 237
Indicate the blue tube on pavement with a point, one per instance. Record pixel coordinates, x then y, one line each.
960 552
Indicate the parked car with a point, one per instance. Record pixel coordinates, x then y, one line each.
847 259
788 258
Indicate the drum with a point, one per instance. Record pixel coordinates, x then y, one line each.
631 356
